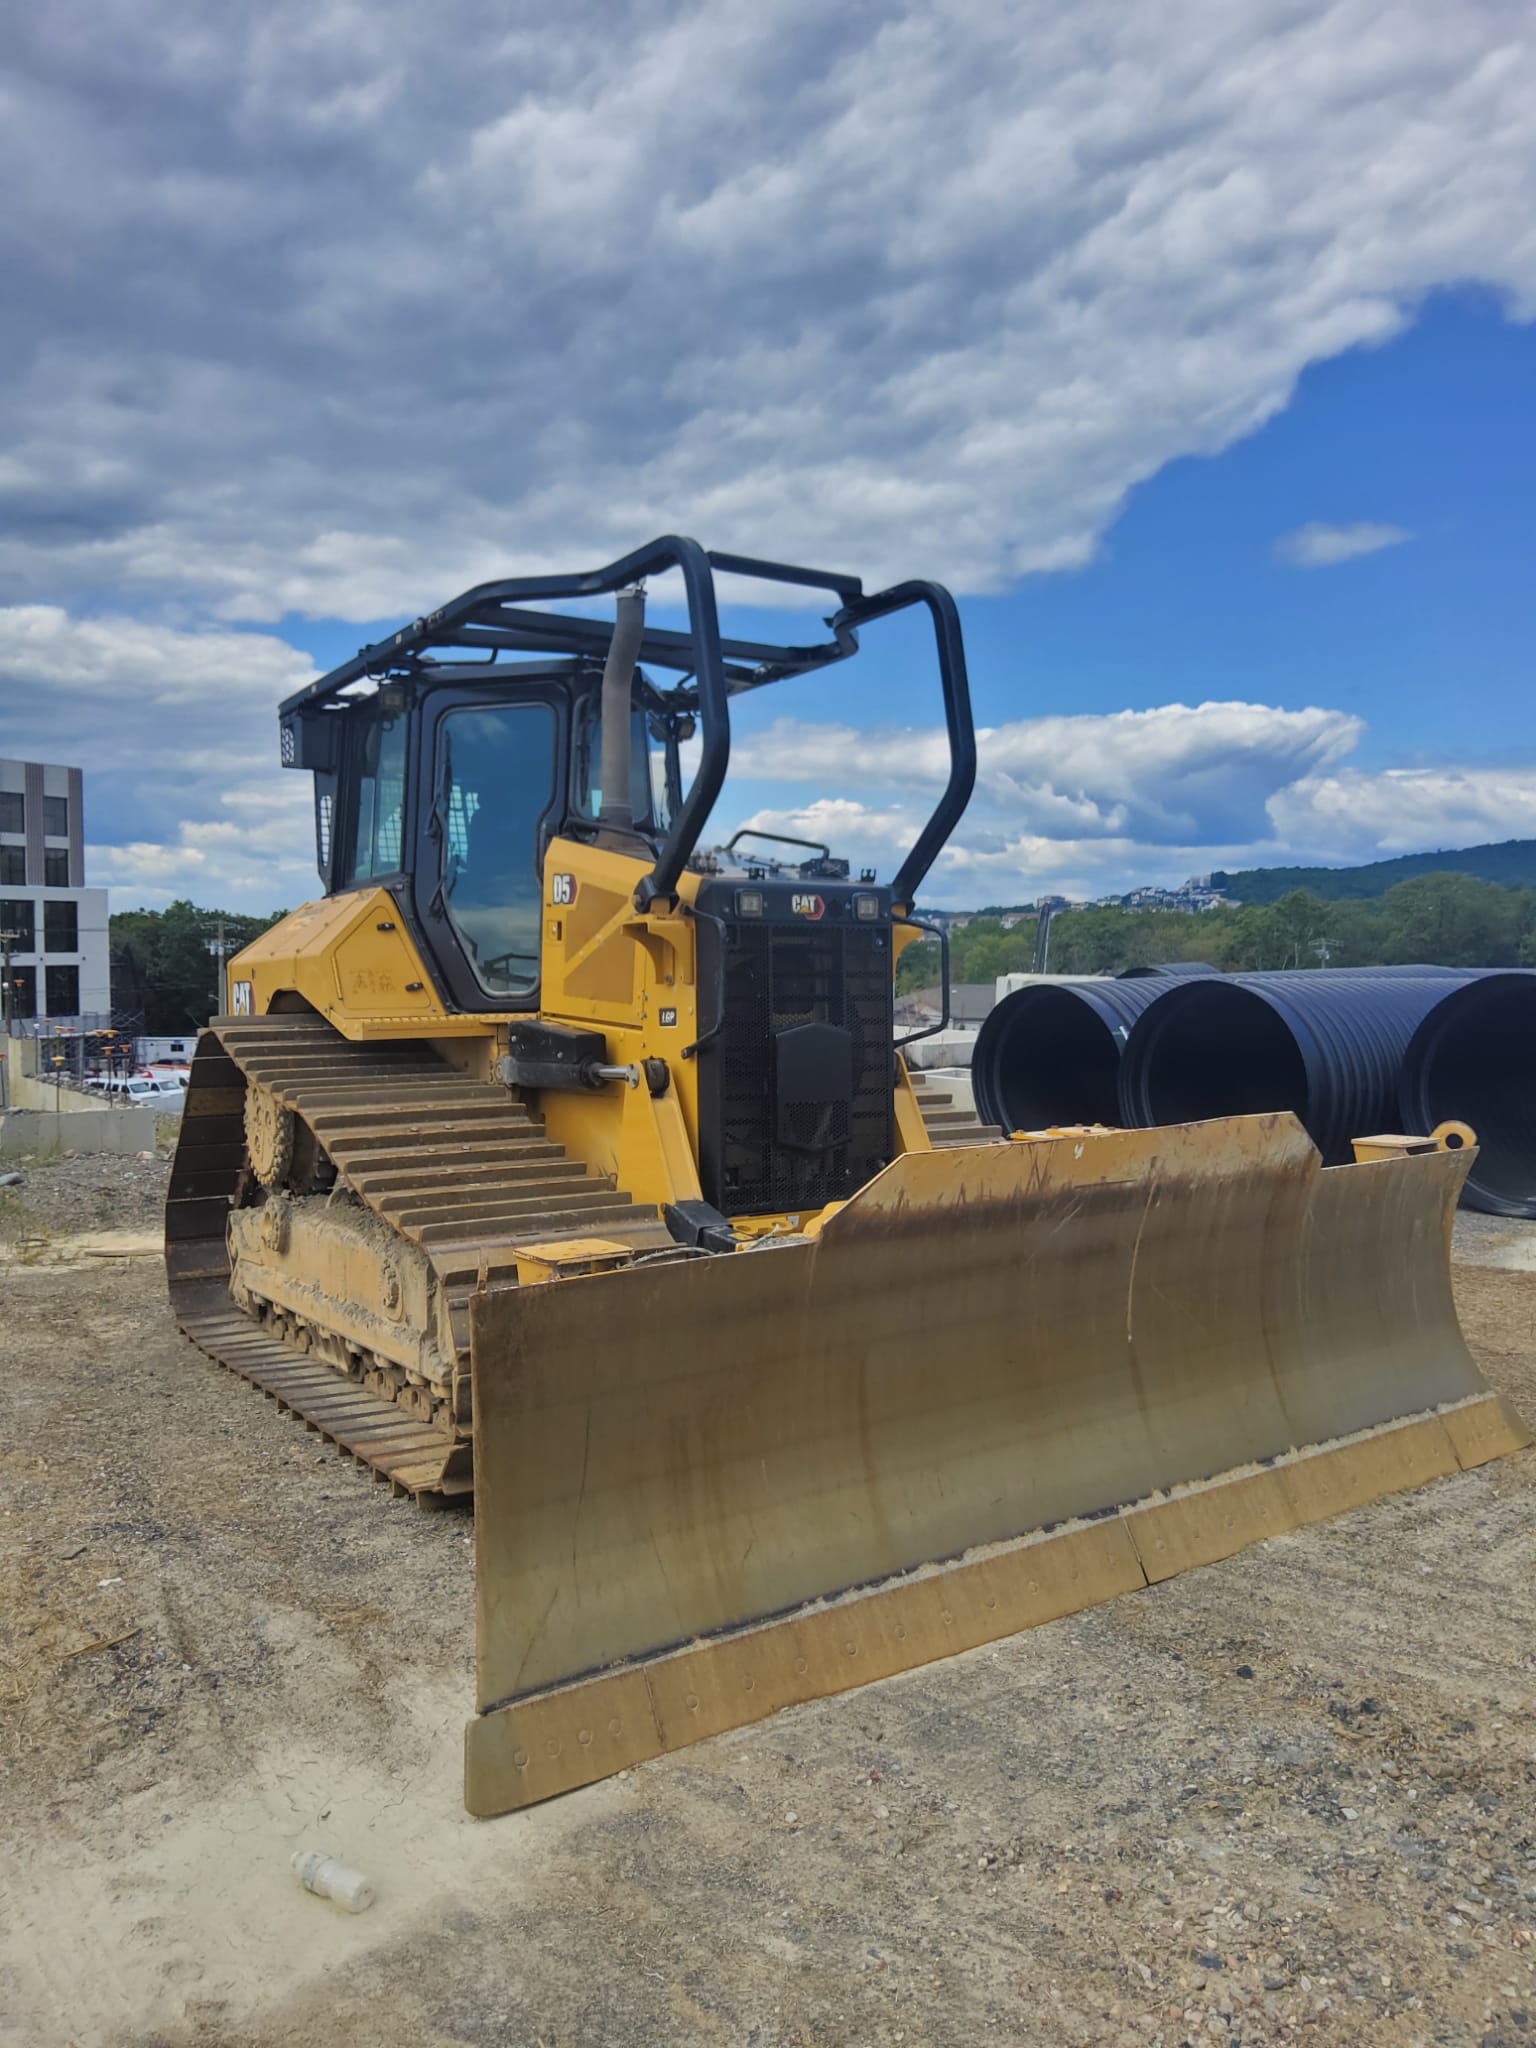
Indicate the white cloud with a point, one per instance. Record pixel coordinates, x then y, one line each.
255 853
1177 774
1355 816
177 734
1093 805
908 285
1317 546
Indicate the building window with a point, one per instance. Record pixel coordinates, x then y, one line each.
61 928
13 864
17 929
13 811
21 994
61 985
55 817
55 867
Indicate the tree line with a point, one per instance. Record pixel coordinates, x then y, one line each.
1444 920
165 963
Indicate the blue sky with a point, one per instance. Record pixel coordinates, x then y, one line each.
1193 352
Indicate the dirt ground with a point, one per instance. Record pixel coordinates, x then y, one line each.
1289 1798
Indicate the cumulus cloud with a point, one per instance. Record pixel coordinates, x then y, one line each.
320 309
330 309
255 852
171 725
1179 774
1089 806
1316 546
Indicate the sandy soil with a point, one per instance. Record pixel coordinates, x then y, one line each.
1287 1798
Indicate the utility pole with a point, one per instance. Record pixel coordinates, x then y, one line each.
216 948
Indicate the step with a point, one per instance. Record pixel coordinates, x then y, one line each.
601 1214
363 1160
393 1184
364 1105
514 1202
400 1133
345 1086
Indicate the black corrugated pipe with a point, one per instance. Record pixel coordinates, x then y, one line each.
1170 968
1474 1058
1051 1055
1328 1046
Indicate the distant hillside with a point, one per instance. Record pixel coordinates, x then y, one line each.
1512 862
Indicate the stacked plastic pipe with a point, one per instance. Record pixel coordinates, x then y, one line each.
1351 1051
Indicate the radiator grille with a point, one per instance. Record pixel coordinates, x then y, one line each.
767 1155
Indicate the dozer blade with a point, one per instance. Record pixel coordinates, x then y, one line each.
1003 1383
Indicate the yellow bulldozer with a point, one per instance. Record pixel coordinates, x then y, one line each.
557 1156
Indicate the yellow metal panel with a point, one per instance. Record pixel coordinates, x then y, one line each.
1484 1429
561 1258
1370 1464
1203 1523
607 967
979 1344
351 959
546 1746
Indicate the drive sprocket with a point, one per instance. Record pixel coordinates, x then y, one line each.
269 1137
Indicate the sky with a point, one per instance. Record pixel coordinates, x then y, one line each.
1191 345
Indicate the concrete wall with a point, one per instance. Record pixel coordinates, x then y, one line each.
36 1091
31 1131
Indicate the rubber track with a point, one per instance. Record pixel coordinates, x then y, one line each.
459 1167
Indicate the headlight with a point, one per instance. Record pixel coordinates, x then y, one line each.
867 907
749 902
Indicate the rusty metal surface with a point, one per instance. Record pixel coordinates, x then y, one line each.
984 1342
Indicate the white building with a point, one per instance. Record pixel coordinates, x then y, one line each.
54 958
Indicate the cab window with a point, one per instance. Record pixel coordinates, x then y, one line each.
378 799
647 769
495 781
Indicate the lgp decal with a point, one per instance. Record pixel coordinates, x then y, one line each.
806 906
666 1016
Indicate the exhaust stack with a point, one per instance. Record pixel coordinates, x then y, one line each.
618 697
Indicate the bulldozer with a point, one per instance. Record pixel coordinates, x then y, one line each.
555 1156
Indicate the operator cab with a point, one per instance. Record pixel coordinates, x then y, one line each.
453 752
449 795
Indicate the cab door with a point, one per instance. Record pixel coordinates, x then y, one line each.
492 796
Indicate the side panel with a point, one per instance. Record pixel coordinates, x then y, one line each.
351 959
633 977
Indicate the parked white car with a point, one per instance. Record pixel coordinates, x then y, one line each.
165 1097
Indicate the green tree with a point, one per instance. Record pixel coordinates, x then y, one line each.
166 961
1451 920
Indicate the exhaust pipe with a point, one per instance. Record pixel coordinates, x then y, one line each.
618 697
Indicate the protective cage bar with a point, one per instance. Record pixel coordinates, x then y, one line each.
490 616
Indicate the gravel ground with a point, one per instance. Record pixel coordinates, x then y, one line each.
1285 1799
84 1191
